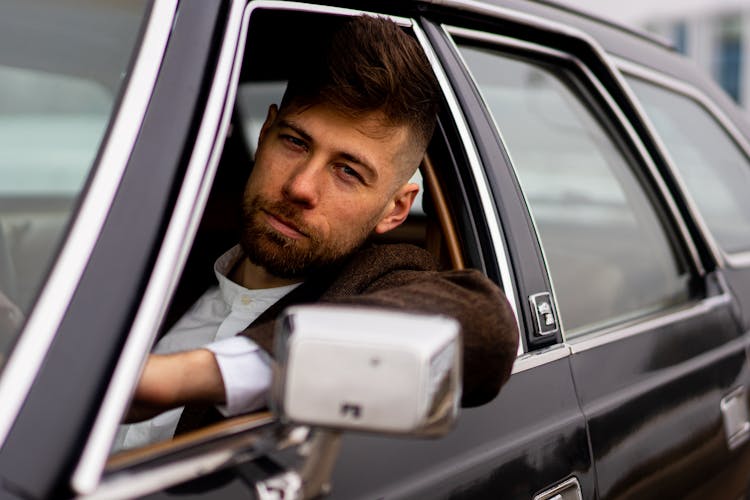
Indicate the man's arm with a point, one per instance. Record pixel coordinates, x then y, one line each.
173 380
392 276
404 277
488 327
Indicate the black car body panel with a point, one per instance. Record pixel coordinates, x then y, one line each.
643 398
634 408
511 446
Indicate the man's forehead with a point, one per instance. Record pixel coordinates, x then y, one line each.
373 124
375 137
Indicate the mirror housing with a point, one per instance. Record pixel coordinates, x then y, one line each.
367 369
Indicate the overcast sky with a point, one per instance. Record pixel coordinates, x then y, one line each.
637 12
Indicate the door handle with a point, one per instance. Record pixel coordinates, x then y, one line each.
734 415
569 489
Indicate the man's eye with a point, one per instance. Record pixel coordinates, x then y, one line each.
294 141
349 173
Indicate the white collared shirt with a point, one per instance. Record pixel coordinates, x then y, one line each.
213 323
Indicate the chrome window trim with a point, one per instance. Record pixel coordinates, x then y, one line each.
586 342
482 36
535 359
87 477
737 259
485 197
41 328
149 481
487 37
658 320
172 256
324 9
635 140
222 452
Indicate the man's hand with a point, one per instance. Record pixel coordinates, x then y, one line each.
173 380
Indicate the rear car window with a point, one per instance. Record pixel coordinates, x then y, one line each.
714 169
608 255
62 63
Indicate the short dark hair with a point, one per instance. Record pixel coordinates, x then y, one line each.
370 64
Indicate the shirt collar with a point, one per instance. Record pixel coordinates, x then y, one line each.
237 296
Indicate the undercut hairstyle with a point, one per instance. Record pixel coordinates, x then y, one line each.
369 64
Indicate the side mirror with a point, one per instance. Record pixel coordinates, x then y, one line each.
367 369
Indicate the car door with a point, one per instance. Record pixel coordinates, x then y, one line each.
707 154
658 357
530 441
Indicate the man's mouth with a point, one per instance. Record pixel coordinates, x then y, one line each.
284 227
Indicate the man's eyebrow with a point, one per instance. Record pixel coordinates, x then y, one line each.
355 159
350 157
297 129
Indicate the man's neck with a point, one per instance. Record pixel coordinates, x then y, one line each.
254 277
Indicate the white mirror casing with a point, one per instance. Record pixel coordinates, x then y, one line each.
367 369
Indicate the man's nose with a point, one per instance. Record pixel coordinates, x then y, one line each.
302 185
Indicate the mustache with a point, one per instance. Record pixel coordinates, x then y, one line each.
282 211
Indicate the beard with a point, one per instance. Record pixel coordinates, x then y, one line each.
291 258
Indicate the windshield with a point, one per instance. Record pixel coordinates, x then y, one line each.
62 63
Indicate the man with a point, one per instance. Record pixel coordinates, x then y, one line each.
332 168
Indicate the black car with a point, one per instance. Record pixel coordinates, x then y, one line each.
588 169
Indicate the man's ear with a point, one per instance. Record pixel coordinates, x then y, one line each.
273 112
398 208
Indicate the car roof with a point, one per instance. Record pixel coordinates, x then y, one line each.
615 38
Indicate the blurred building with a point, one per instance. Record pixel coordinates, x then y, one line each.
714 33
717 38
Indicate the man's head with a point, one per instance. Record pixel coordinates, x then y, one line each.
369 64
333 162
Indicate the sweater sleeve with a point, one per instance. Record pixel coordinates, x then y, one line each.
488 326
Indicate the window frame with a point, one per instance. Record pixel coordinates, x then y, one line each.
684 89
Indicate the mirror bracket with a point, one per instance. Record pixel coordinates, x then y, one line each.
313 479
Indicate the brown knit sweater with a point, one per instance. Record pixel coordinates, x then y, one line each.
405 277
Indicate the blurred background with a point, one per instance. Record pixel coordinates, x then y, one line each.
714 33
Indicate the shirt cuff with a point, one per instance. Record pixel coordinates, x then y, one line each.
246 374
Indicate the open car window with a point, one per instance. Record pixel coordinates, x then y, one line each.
258 82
